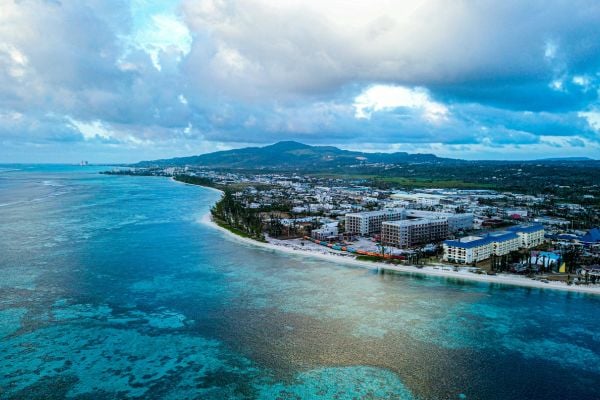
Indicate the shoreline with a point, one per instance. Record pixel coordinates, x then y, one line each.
503 279
438 271
193 184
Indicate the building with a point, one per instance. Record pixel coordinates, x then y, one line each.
423 199
456 221
503 242
411 232
516 213
591 237
530 235
470 249
467 250
325 232
369 222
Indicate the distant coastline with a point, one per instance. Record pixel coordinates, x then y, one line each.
440 270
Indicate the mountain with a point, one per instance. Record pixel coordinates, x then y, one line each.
292 155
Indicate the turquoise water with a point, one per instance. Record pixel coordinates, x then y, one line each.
111 288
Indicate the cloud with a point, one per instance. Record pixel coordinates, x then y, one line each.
163 33
388 97
314 46
592 118
180 76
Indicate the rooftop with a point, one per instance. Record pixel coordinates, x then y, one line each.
469 242
528 228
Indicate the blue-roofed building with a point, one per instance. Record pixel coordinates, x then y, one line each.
530 235
467 250
471 249
592 237
504 242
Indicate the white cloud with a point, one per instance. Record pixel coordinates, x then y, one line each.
557 84
16 61
387 97
592 118
550 50
582 81
162 33
92 130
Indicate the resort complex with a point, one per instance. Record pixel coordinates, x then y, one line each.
471 249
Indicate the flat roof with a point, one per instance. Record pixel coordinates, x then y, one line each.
476 241
529 228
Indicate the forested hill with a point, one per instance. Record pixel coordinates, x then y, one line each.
292 155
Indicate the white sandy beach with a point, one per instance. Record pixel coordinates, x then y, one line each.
441 270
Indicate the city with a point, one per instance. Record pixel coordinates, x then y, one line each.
481 231
299 199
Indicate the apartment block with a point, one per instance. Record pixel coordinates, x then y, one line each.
456 221
411 232
529 235
369 222
471 249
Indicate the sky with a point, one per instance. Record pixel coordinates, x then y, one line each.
123 81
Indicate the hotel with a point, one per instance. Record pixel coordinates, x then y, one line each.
529 235
411 232
369 222
470 249
456 221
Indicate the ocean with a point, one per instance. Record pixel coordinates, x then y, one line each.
111 287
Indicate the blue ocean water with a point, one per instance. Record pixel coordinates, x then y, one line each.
111 287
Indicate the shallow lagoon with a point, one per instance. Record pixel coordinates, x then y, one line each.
112 288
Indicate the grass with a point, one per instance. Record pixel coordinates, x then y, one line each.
433 183
411 182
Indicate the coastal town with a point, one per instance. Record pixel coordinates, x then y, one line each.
467 231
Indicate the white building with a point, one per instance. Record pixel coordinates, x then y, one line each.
410 232
325 231
424 199
456 221
529 235
369 222
471 249
467 250
503 242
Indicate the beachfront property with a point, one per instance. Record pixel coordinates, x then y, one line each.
325 232
529 235
471 249
369 222
410 232
467 250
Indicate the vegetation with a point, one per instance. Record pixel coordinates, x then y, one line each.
197 180
232 215
370 258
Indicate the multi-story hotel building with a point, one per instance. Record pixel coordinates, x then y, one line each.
529 235
471 249
369 222
467 250
410 232
456 221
